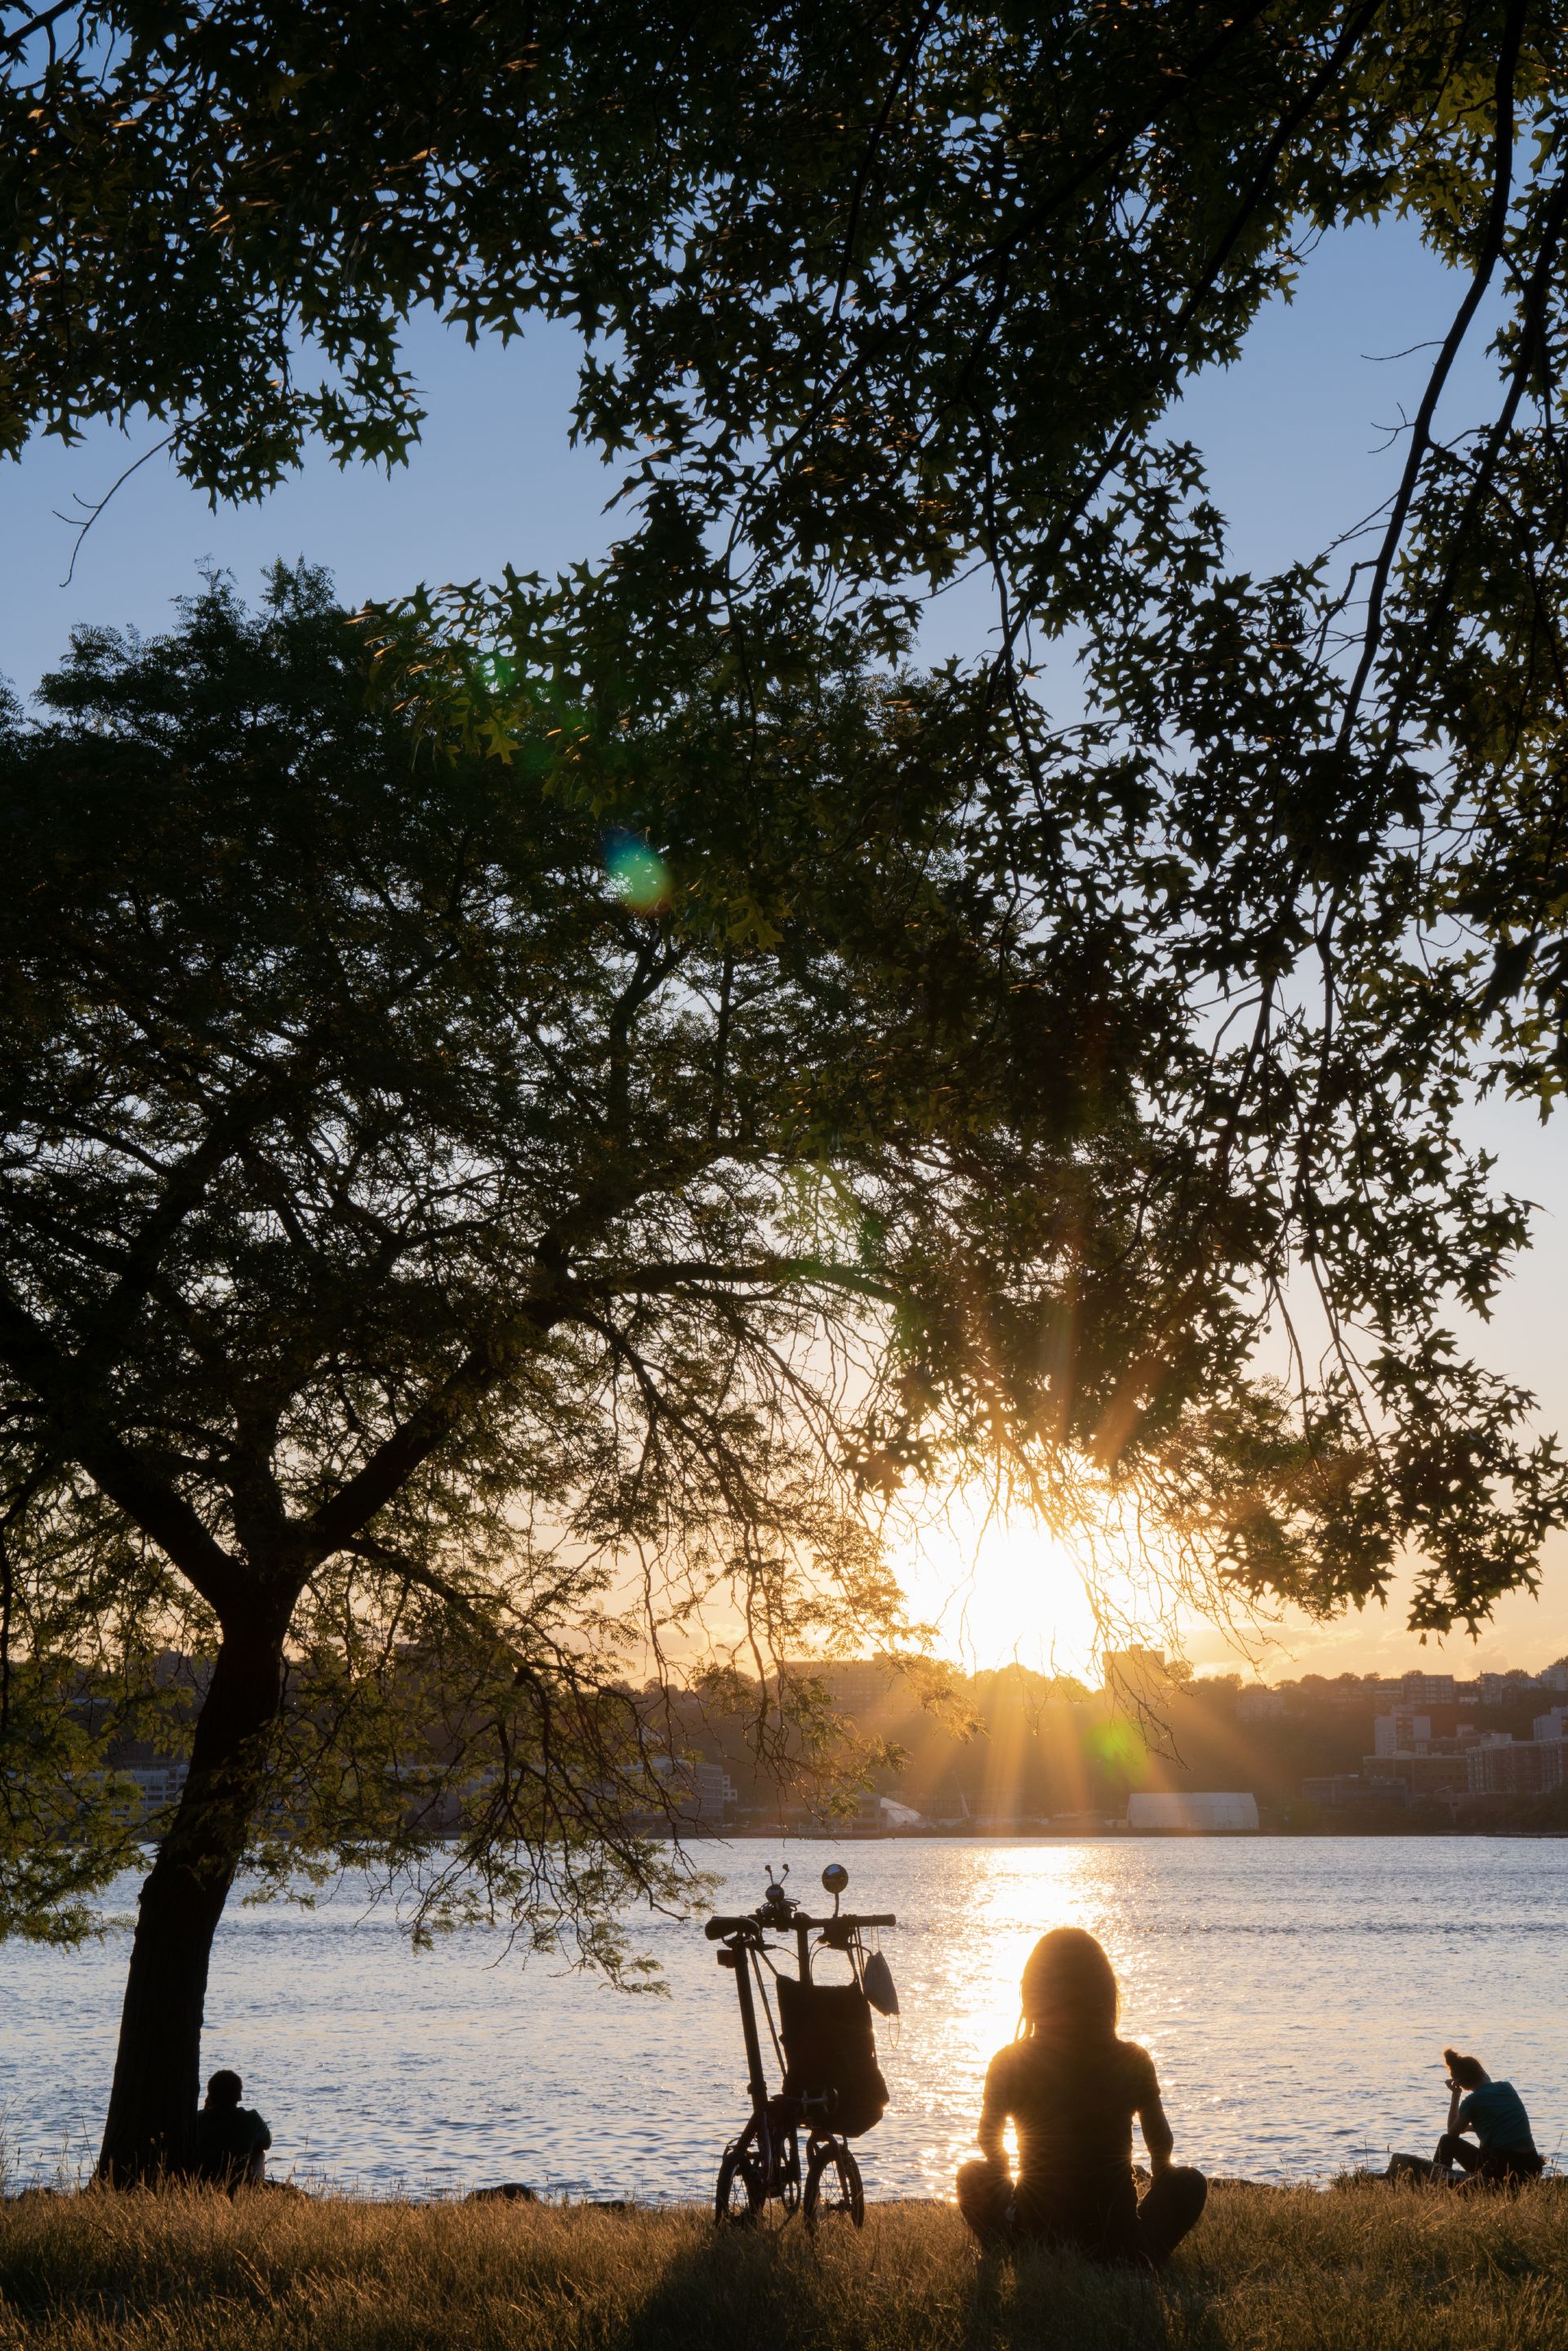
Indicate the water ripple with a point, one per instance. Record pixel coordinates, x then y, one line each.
1296 1994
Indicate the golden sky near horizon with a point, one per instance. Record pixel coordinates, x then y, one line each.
999 1592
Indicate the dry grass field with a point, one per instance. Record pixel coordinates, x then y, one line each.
1266 2270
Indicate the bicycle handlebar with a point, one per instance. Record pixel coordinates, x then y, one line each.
717 1928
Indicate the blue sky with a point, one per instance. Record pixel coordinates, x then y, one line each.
1298 440
1295 436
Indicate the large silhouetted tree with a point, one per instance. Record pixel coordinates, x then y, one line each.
451 1243
470 1214
405 1223
869 301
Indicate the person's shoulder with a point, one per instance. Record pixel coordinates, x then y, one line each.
1004 2065
1138 2064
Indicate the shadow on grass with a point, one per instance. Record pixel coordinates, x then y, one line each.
780 2289
1038 2297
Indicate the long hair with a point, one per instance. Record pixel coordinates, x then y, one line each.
1465 2071
1069 1986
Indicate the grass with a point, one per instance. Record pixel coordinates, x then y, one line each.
1266 2270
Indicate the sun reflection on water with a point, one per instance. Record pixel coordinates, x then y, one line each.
1295 1993
970 1959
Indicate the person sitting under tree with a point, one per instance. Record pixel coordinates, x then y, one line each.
1071 2089
231 2140
1503 2152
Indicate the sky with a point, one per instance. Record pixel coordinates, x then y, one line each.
1298 439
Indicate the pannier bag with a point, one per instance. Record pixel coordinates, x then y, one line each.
830 2051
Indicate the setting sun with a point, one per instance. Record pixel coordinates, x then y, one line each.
1000 1588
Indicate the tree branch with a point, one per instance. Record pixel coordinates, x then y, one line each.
773 1272
183 1191
13 42
1421 431
396 1458
79 1423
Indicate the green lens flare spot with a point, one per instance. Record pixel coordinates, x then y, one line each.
638 874
1118 1744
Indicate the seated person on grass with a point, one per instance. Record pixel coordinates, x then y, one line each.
1502 2153
231 2140
1071 2089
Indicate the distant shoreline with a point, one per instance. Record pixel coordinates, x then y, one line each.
1119 1831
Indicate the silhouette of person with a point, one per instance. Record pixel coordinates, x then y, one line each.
231 2140
1503 2152
1070 2088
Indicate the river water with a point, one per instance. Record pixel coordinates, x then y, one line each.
1295 1993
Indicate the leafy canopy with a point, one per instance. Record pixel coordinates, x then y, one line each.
424 1248
865 303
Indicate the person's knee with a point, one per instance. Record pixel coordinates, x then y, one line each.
1186 2190
984 2192
1172 2207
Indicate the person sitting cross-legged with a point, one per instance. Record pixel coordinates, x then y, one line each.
231 2140
1071 2089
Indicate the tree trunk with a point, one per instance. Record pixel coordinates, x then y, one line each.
150 2128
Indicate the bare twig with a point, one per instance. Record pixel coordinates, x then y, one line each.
93 508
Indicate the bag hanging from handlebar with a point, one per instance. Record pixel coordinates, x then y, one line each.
830 2052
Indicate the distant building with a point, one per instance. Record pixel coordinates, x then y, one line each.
854 1686
160 1784
1428 1689
701 1794
1516 1767
1341 1790
1136 1676
1422 1774
714 1791
1402 1733
1501 1690
1212 1813
1552 1726
1260 1705
895 1815
1556 1677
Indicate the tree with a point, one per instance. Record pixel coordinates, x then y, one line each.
867 304
455 1242
1084 1050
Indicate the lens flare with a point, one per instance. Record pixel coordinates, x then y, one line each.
638 874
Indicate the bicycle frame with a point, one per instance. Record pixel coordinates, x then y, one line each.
765 2160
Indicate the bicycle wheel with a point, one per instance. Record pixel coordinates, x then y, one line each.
737 2199
833 2185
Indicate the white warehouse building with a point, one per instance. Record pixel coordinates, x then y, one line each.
1213 1812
